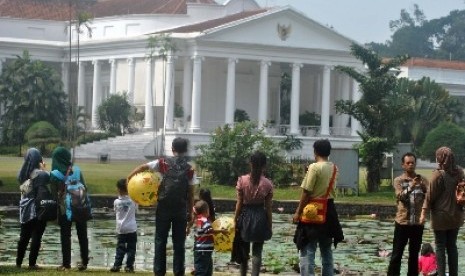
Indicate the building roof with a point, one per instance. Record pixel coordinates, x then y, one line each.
209 24
59 10
435 63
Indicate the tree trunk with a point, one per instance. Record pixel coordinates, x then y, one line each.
373 175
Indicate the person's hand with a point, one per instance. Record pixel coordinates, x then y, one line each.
422 217
296 218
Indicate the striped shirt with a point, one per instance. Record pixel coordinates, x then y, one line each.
203 233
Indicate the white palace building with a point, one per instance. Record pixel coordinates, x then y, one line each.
228 56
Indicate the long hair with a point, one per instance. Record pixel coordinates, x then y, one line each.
257 163
426 249
205 195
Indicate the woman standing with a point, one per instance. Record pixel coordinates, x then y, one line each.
31 176
61 161
253 212
446 215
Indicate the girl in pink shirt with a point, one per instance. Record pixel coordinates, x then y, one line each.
427 262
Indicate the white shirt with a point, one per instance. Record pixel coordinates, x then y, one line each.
125 210
155 166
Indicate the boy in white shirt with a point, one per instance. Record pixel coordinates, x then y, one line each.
126 228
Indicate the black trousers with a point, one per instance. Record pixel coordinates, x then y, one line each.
126 246
402 234
32 229
65 236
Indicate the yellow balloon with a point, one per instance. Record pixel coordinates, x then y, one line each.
143 188
224 242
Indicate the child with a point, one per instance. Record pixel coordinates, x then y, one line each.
203 245
205 195
126 228
427 262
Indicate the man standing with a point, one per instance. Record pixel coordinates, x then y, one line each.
174 208
410 189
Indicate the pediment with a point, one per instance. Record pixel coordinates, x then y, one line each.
282 28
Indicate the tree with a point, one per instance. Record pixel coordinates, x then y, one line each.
30 91
445 134
428 104
226 156
378 110
114 113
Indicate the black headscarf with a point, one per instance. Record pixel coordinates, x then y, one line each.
61 159
32 161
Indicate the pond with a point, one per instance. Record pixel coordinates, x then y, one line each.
366 247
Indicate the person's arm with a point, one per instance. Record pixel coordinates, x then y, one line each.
190 206
141 168
304 198
268 208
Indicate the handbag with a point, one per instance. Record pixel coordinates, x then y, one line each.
315 210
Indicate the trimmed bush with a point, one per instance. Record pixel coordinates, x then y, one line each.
42 135
446 134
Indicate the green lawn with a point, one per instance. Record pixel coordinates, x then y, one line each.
101 179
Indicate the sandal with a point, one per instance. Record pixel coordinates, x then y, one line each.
81 267
63 268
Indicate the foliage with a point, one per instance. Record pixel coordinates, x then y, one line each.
178 110
378 110
309 119
428 104
241 115
226 156
161 45
41 134
445 134
416 36
114 114
291 143
30 91
91 137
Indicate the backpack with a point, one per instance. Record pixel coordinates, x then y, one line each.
175 183
77 201
46 204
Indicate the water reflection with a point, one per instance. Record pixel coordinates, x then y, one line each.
366 246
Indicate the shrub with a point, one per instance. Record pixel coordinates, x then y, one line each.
309 119
43 136
241 115
92 136
446 134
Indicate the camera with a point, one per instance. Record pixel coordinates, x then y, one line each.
405 184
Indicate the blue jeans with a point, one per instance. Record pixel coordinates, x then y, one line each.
446 241
203 263
164 221
126 245
307 257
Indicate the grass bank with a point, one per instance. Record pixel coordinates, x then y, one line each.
101 179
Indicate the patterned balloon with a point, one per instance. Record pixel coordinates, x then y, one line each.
143 188
224 242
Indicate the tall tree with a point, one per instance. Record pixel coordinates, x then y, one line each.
30 91
114 114
378 109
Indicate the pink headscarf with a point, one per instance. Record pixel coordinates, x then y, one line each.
446 160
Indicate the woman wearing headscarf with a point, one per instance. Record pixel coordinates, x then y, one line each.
30 177
446 215
61 161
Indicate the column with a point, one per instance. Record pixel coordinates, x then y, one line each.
81 84
356 95
263 93
112 76
230 92
169 93
344 118
148 95
187 88
131 82
295 99
64 77
325 101
95 93
196 93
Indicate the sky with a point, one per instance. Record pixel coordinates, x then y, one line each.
365 20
